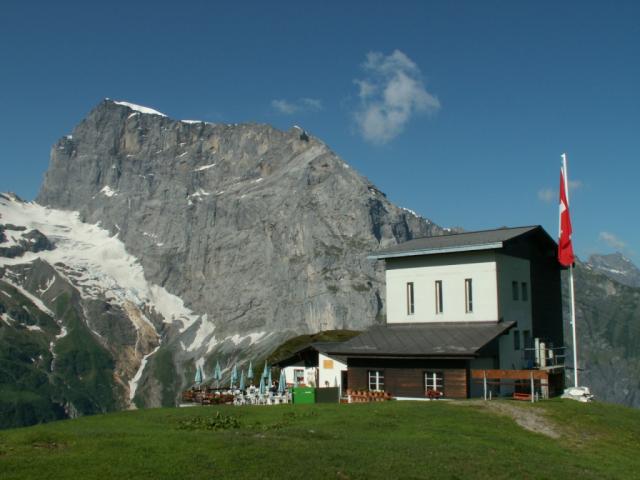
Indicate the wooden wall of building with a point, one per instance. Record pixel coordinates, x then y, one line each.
405 378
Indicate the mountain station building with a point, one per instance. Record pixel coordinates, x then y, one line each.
467 314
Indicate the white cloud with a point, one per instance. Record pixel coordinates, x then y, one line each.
547 195
287 107
575 184
613 241
390 94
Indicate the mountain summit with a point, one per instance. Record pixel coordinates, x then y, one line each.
262 233
617 267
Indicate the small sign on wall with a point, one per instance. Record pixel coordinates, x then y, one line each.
327 364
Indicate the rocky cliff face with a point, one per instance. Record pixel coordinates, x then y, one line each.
617 267
608 328
262 233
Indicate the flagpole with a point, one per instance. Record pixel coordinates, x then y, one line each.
571 289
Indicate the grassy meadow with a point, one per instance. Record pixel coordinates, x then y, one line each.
359 441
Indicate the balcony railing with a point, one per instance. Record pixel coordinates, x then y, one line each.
542 357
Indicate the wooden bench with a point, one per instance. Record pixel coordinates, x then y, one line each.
522 396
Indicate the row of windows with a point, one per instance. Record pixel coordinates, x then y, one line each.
526 339
468 297
519 291
433 380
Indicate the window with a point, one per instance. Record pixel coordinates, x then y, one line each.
525 292
468 295
376 380
516 340
529 354
298 376
514 289
410 302
433 381
439 304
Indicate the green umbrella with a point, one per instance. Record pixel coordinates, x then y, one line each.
262 389
234 375
198 378
242 380
217 374
282 384
250 372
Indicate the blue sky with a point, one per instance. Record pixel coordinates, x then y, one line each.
457 110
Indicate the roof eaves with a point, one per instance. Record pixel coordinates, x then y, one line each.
433 251
440 356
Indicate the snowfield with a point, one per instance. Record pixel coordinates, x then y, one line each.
99 262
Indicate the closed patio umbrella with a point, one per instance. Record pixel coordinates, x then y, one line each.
217 374
242 380
198 378
269 381
262 389
250 372
234 375
282 383
264 371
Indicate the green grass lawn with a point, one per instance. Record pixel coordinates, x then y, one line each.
362 441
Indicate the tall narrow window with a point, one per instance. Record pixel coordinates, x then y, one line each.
514 290
376 380
468 295
410 302
516 340
439 303
525 292
433 381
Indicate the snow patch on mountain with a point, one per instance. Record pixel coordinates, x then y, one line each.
108 191
204 167
32 298
92 260
133 383
140 108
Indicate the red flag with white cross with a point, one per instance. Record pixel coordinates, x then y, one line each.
565 247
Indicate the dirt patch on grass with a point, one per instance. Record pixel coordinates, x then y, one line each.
530 419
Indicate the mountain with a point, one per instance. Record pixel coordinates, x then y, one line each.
176 243
608 329
156 245
617 267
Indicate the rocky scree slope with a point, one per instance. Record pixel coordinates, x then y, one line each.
608 328
262 233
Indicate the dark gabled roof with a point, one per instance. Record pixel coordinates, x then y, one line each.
457 242
321 347
437 340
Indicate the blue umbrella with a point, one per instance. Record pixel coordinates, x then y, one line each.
198 378
250 372
242 380
234 375
262 389
282 384
269 381
217 374
264 372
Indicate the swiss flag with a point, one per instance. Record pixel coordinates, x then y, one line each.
565 248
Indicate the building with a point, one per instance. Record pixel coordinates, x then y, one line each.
460 304
312 366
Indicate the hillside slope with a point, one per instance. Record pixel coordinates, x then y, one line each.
361 441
